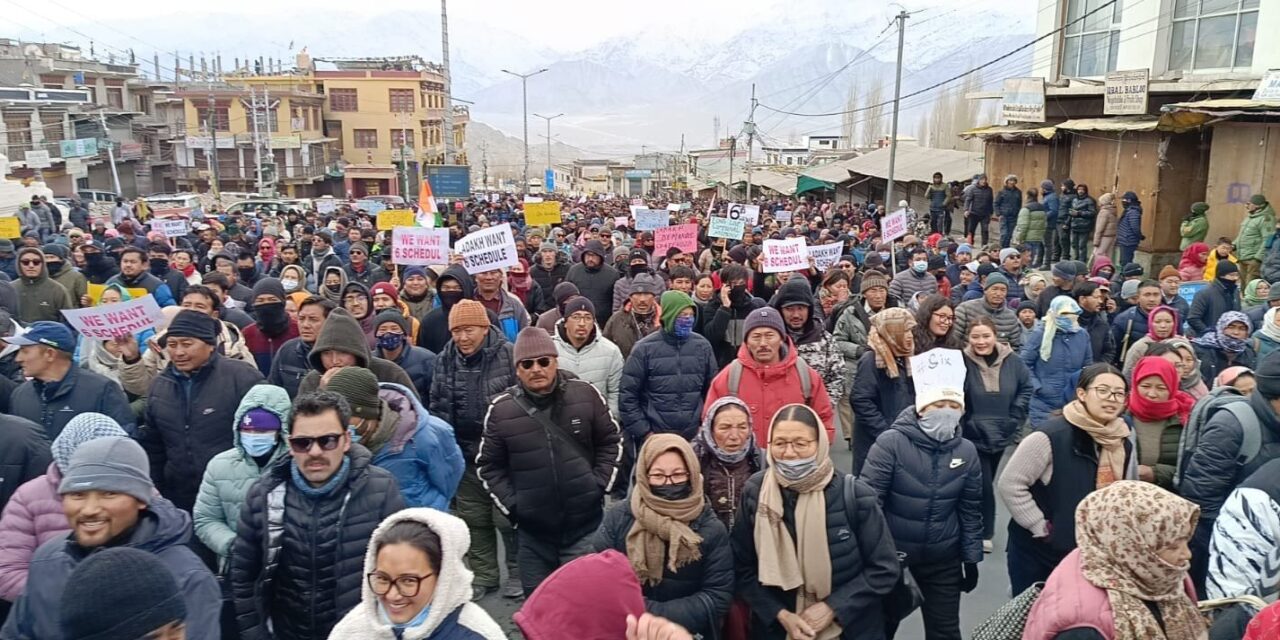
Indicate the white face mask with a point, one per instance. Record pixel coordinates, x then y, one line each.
289 285
941 424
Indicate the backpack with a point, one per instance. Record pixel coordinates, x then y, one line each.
1226 398
806 385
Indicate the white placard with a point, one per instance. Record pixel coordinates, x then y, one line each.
785 255
171 228
419 246
674 207
1269 87
725 228
650 219
111 320
487 249
38 159
938 368
324 206
894 225
748 213
1023 100
1126 93
825 255
532 200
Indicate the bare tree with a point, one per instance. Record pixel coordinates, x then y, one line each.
873 116
849 119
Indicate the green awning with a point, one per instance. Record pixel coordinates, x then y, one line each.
805 184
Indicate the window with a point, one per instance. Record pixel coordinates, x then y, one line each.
364 138
18 132
52 126
221 117
1089 46
143 103
401 100
1213 34
115 98
343 100
273 120
398 138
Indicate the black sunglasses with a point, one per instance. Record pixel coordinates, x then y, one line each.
542 362
303 444
31 262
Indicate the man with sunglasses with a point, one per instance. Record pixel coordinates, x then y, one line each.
305 525
361 269
548 416
39 296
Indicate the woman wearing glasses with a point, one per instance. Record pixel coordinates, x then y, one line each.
416 584
936 325
1066 458
677 546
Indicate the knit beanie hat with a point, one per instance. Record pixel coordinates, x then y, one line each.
1226 267
268 287
260 419
1129 289
871 280
359 246
1131 270
1267 376
385 289
564 291
1200 207
360 387
1065 270
533 343
193 324
645 283
672 303
81 429
120 593
1168 272
468 313
391 315
579 303
764 318
1258 200
1275 292
410 272
109 464
995 279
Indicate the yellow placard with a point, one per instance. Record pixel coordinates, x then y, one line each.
536 213
95 292
10 228
392 218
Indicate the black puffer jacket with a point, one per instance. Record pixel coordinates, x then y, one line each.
290 365
540 481
877 399
24 454
864 562
433 334
931 492
1213 468
308 573
696 596
595 285
80 391
664 381
462 387
720 323
993 412
547 280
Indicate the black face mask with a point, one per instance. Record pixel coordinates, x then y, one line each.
53 267
739 295
450 298
159 266
637 269
672 492
333 287
246 274
272 317
95 261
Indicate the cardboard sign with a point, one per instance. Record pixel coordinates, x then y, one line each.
748 213
726 228
374 207
939 368
10 228
683 237
651 219
419 246
113 320
171 228
825 255
326 205
488 249
894 225
392 218
785 255
673 207
541 213
621 221
637 202
95 292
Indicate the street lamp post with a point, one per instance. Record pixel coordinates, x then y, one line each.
548 119
524 91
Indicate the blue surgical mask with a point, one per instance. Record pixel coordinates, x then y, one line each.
1067 323
417 620
683 327
258 444
796 469
920 267
884 255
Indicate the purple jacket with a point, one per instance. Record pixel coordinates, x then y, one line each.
32 517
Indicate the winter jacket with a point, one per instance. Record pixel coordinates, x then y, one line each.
463 386
980 201
73 281
864 562
596 284
341 332
512 316
1271 261
52 406
1213 469
937 194
136 377
1016 292
1008 329
930 492
1193 229
434 333
1128 327
766 388
187 421
1032 223
1100 337
1129 230
371 274
41 297
229 474
877 400
418 363
290 365
1051 203
624 329
723 327
622 289
1104 227
1083 212
420 450
698 594
1244 553
907 283
1215 361
264 347
453 616
1008 202
723 483
813 343
997 396
539 480
32 517
145 280
1209 304
547 279
316 267
297 561
1254 231
664 383
850 330
1053 381
598 362
162 530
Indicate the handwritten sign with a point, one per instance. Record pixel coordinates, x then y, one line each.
637 202
748 213
171 228
674 207
324 205
939 370
95 292
488 249
683 237
419 246
785 255
392 218
536 213
726 228
621 221
651 219
113 320
825 255
10 228
894 225
374 207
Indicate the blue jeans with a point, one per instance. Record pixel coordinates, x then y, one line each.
1126 255
1007 224
1037 253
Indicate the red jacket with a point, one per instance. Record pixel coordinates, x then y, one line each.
767 388
264 347
1265 625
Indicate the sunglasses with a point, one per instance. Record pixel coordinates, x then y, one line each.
31 263
303 444
542 362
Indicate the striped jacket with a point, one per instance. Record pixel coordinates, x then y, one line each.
1244 553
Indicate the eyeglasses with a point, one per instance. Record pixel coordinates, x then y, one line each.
542 363
798 446
31 263
679 477
1107 393
303 444
945 318
408 585
357 252
582 318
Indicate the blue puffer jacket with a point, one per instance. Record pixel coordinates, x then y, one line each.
664 382
1051 203
421 453
419 363
1008 202
930 491
1053 382
1129 229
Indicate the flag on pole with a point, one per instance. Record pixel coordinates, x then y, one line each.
427 211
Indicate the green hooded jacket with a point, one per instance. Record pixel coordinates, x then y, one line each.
1252 239
1194 228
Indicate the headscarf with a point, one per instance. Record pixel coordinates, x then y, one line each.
1109 437
1251 298
1098 263
1191 256
1058 307
888 337
1147 410
1229 376
1219 340
1151 329
803 562
1191 382
79 430
661 528
520 283
267 249
1030 279
1269 327
708 435
1119 530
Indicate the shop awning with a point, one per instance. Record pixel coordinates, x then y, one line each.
917 164
805 184
1223 107
1011 131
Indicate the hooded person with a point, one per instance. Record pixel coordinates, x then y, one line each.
728 454
391 330
556 604
57 261
595 279
331 285
1227 345
884 373
39 296
357 301
342 343
454 285
1219 296
560 296
273 327
384 297
1195 257
417 290
803 319
294 279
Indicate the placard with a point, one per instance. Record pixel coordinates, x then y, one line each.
374 207
749 213
825 255
1126 93
419 246
939 368
1023 100
651 219
784 255
637 202
38 159
120 319
10 227
1188 290
894 225
726 228
536 213
392 218
488 249
95 292
674 207
175 228
621 221
681 236
325 205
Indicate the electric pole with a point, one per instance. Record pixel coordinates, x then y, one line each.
733 151
484 163
893 133
257 140
213 145
750 127
524 92
448 90
111 156
548 119
404 150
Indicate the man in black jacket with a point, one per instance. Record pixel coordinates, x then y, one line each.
595 279
550 267
24 454
326 502
552 416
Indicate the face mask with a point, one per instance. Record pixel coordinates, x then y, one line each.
683 327
884 255
53 267
390 341
245 274
796 469
354 435
258 444
417 620
450 298
1229 285
95 260
920 267
672 492
1066 323
637 269
271 314
941 424
739 293
289 285
159 266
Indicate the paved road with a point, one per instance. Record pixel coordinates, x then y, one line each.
992 591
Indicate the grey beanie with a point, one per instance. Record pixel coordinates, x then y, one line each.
110 464
79 430
1129 289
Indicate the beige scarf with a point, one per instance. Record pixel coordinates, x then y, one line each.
1109 437
890 330
661 529
802 563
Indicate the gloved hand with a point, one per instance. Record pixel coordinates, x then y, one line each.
970 580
